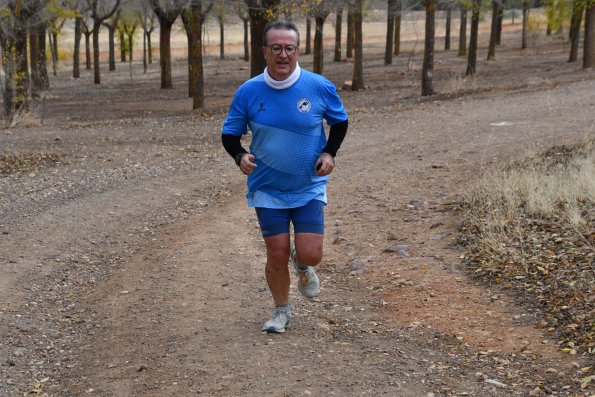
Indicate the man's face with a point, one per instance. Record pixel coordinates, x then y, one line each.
280 66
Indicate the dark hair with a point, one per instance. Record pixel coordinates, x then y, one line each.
280 24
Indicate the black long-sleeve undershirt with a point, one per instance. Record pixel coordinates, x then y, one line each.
337 133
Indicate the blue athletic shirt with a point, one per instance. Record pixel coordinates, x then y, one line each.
287 137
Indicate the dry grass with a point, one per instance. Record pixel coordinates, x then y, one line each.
531 228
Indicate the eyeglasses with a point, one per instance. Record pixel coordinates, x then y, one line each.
276 49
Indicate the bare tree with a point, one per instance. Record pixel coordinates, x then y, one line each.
463 32
308 36
167 12
397 39
100 11
494 30
447 27
428 63
357 82
111 24
146 16
575 29
261 12
221 11
320 11
338 23
525 23
88 34
390 31
193 18
589 42
241 10
472 55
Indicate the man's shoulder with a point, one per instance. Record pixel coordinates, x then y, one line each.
255 82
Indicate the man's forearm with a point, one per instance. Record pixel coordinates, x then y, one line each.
335 137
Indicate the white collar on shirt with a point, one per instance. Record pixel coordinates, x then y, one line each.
281 85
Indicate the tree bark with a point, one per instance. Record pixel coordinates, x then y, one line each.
260 15
22 77
122 38
88 50
589 41
575 30
98 19
196 21
165 53
525 23
428 63
338 23
390 31
350 32
76 55
357 82
448 23
221 38
472 55
318 61
36 84
398 17
500 19
463 33
494 30
9 70
308 36
246 40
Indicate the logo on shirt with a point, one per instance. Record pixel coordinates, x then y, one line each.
261 108
304 105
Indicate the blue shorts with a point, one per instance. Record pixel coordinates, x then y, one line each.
306 219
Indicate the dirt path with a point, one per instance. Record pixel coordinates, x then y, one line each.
134 268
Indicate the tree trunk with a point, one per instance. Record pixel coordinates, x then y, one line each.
390 32
43 70
500 19
55 55
144 51
9 70
494 30
318 45
96 71
472 56
122 38
338 23
428 64
246 41
589 42
357 82
36 84
149 49
112 47
448 23
575 30
308 36
259 17
463 33
88 50
195 44
525 22
165 53
398 18
221 39
131 45
350 32
22 77
76 55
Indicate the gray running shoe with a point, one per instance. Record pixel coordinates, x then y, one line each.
280 321
308 282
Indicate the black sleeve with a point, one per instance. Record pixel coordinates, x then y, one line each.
335 137
232 145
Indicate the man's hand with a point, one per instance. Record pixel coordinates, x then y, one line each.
325 164
246 163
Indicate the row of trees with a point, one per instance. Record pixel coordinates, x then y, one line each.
25 24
